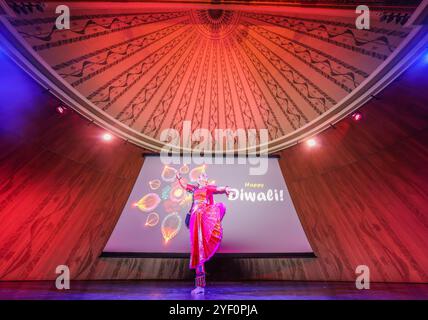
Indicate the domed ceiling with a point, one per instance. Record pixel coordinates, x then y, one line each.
142 68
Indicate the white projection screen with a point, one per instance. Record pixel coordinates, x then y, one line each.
260 219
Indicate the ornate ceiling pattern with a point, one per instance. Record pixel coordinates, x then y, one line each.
151 68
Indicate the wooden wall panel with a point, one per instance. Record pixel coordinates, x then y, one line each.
361 196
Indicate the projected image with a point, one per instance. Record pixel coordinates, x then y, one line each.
260 217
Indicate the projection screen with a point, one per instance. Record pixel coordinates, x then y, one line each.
260 217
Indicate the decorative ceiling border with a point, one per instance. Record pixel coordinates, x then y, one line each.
408 51
285 3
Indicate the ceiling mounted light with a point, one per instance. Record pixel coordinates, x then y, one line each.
426 57
357 116
311 142
61 109
107 137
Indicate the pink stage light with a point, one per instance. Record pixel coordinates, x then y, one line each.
61 109
107 137
357 116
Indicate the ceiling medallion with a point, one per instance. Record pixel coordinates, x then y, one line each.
215 23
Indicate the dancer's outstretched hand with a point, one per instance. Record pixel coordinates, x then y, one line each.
229 191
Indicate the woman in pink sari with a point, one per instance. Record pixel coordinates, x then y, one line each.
205 225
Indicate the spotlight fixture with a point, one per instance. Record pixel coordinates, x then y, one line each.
425 57
61 109
107 137
357 116
311 142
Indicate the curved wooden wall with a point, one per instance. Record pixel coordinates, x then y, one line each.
361 196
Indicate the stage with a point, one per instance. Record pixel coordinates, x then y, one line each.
180 290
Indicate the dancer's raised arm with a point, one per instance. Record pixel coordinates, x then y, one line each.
221 190
187 186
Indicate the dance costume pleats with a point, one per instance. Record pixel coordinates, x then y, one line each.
205 232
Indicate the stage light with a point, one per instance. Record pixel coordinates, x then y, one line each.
61 109
425 57
107 137
311 142
357 116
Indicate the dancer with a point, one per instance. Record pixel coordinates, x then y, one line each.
204 225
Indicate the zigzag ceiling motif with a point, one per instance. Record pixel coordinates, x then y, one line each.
152 68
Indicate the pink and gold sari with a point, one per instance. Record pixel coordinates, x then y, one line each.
205 226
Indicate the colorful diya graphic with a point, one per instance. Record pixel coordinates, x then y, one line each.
165 192
152 219
171 225
171 206
184 169
177 193
196 172
154 184
148 203
187 200
168 174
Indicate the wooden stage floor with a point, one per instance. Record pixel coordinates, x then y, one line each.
180 290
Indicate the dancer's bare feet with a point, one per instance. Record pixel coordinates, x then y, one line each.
198 290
